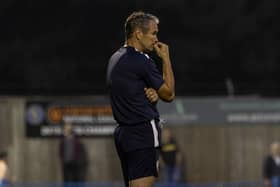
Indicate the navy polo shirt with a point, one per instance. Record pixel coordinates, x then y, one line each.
129 72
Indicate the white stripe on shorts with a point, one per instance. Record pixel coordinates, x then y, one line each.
155 132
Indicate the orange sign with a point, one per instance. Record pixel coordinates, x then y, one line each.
56 114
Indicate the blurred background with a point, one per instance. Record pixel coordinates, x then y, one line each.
225 57
62 47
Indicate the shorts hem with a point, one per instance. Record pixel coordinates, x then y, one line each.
139 177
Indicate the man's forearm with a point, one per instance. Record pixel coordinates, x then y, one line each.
168 75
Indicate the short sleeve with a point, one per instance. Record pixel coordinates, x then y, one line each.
151 74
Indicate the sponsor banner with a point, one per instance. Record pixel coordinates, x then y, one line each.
89 117
93 116
220 111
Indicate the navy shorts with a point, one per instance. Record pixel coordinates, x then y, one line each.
138 150
139 163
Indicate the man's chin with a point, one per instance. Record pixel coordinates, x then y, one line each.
149 50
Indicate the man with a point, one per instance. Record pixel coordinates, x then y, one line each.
271 167
73 156
171 157
135 84
3 168
6 179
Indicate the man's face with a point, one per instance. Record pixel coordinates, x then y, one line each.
67 129
149 39
275 149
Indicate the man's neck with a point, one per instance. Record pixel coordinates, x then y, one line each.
134 44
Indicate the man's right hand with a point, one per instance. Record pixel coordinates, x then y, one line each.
162 50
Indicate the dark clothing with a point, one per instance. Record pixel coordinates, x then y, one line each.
171 174
129 72
74 160
138 163
137 136
137 147
171 171
71 172
270 168
168 153
140 136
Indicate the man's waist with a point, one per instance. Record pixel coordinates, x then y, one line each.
138 123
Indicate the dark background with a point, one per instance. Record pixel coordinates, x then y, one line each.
61 47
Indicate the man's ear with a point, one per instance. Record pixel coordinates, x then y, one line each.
138 34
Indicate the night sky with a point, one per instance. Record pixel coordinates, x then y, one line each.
52 47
